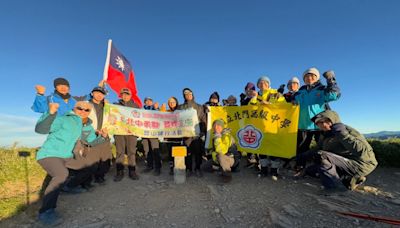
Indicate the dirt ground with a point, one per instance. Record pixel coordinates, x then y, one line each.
248 201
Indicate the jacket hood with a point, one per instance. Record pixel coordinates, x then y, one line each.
183 93
214 95
327 114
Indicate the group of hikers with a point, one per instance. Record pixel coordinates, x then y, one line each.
77 150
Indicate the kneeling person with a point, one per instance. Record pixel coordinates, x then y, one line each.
224 153
345 155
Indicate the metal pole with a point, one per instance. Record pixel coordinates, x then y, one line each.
26 154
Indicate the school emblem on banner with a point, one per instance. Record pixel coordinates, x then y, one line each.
249 137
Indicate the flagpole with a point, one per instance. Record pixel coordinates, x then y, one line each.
106 65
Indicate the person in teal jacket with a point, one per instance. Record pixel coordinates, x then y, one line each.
313 98
56 156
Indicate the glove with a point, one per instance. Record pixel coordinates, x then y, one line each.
217 136
281 88
329 75
339 128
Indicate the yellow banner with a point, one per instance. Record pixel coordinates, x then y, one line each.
263 129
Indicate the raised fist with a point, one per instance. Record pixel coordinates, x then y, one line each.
329 74
40 89
53 107
281 88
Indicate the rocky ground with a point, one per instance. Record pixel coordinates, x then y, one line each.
248 201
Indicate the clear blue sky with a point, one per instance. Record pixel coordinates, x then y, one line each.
205 45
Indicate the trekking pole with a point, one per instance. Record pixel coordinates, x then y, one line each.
26 154
370 217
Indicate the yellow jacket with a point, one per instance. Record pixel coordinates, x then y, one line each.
269 95
222 144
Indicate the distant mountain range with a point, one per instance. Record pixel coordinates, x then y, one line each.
383 135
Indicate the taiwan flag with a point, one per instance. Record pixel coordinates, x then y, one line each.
118 73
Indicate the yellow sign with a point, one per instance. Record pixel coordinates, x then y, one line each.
261 129
179 151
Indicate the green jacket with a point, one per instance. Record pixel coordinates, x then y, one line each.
64 131
351 145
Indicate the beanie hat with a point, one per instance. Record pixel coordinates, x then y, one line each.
313 71
214 95
249 86
293 80
60 81
264 78
219 122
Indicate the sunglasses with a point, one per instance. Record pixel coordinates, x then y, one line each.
83 109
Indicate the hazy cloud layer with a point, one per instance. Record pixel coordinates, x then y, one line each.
20 129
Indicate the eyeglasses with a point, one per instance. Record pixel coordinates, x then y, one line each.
83 109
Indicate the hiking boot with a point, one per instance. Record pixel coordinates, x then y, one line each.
119 176
226 177
198 173
263 172
132 173
100 180
274 174
50 218
74 190
88 186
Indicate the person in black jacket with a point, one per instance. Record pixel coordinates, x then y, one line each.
195 145
126 143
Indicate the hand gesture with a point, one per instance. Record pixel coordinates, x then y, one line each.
328 75
254 93
53 107
40 89
104 132
163 107
102 82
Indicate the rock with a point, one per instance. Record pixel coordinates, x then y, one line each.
217 210
154 215
100 216
205 206
90 208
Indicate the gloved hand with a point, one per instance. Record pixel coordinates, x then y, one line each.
217 135
242 96
281 88
329 75
339 128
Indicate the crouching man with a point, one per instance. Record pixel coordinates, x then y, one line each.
224 153
344 154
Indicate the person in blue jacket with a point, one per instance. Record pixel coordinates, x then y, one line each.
60 95
62 153
313 98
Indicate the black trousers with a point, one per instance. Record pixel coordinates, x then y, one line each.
304 139
333 167
152 151
195 149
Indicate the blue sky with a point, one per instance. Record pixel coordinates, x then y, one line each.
205 45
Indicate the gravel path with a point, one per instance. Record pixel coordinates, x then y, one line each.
248 201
